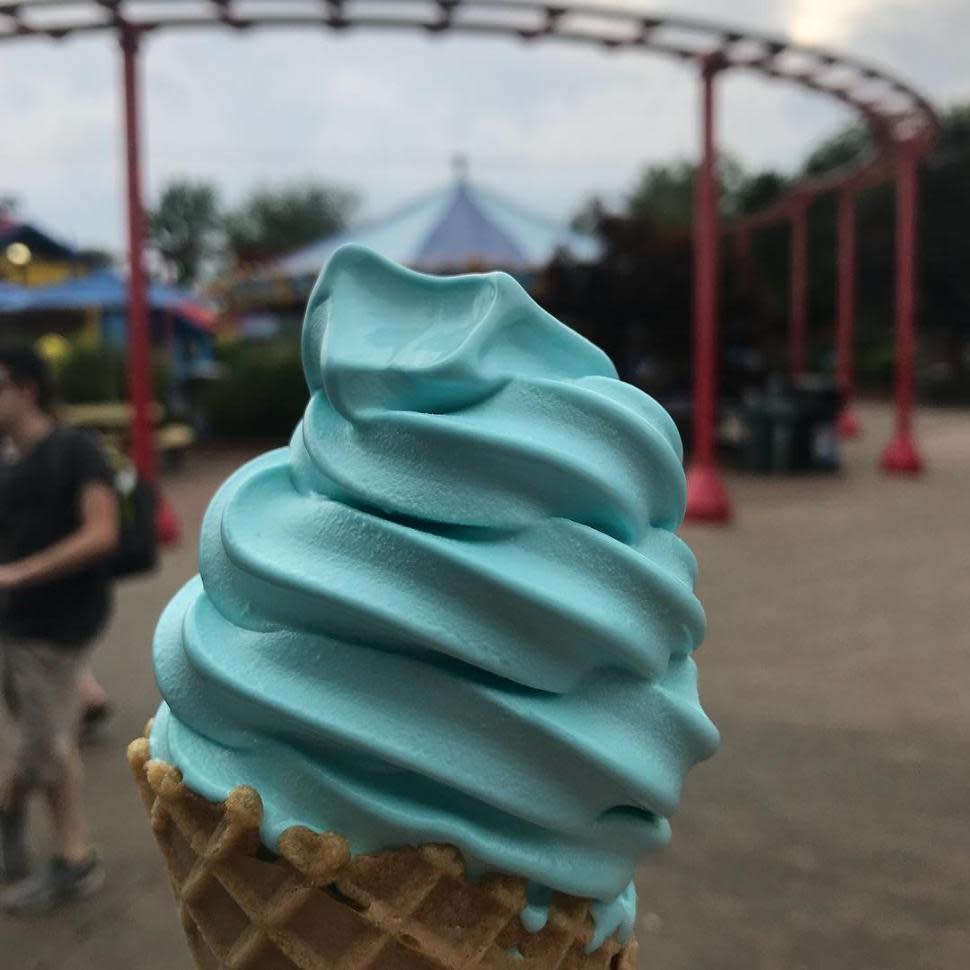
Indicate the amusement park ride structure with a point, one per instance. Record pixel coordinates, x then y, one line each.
902 124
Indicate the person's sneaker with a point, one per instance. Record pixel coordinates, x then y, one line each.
14 859
57 883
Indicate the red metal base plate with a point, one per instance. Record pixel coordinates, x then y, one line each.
707 498
901 456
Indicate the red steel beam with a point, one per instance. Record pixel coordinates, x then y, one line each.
139 346
798 286
848 422
707 498
901 455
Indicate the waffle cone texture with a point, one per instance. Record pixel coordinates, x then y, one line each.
316 906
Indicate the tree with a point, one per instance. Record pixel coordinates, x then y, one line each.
843 147
185 227
274 221
588 216
665 193
759 190
944 230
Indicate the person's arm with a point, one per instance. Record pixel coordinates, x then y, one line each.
96 538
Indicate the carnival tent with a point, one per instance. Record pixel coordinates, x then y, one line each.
460 227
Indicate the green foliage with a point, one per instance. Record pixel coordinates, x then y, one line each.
99 374
664 194
193 234
842 148
274 221
185 227
955 136
758 191
636 301
263 393
588 216
91 375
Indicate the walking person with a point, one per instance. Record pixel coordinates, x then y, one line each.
58 526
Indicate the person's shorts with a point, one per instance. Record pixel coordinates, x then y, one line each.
40 688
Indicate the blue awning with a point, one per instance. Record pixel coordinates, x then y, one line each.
13 298
106 290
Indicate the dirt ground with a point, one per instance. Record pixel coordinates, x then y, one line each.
831 831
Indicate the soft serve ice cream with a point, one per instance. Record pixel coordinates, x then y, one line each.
454 608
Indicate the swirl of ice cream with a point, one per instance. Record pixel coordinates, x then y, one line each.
454 609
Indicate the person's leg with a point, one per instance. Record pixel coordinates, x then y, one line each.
93 695
95 706
14 858
55 703
50 761
65 797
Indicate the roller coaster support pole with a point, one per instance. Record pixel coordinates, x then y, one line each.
901 456
707 498
139 338
798 286
848 422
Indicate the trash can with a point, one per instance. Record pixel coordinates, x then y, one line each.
820 401
756 422
791 428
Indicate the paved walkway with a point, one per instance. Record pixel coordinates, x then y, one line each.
830 832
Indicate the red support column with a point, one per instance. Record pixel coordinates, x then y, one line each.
139 338
848 422
901 455
707 498
798 288
139 352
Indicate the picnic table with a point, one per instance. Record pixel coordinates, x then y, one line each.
112 420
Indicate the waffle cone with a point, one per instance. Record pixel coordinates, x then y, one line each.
316 906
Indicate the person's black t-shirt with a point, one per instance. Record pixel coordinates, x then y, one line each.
40 504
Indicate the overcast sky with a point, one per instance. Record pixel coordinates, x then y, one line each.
385 113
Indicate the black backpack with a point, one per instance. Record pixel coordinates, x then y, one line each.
137 550
137 541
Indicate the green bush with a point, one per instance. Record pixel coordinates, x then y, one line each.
96 374
262 393
91 375
875 367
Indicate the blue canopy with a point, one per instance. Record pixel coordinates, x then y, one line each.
106 290
460 227
13 298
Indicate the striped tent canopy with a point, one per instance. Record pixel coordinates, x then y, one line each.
462 227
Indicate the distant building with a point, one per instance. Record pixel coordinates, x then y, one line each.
48 287
31 257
